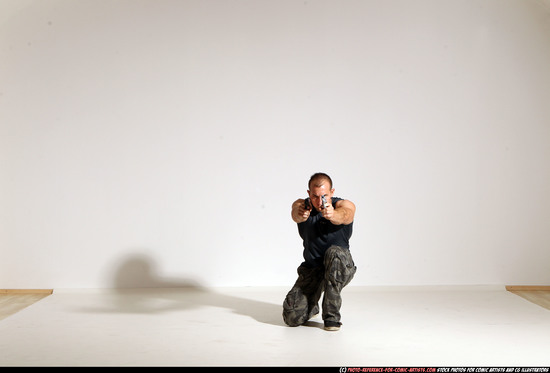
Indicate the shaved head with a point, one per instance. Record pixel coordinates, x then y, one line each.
318 179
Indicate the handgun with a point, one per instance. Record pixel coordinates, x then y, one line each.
307 204
325 203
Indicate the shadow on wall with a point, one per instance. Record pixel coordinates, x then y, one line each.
138 289
140 271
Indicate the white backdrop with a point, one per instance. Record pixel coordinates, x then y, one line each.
162 142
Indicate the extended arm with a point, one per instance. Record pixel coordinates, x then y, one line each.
342 213
299 212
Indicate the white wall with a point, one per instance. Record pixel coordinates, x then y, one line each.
157 143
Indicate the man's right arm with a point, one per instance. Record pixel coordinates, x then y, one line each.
299 212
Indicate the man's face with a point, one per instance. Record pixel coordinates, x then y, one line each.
316 193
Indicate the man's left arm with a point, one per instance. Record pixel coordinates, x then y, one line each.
342 213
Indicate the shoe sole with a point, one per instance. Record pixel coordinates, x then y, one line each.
332 328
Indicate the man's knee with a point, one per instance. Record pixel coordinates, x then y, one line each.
339 266
295 308
293 319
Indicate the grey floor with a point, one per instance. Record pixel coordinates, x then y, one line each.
243 327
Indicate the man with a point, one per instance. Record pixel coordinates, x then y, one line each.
325 223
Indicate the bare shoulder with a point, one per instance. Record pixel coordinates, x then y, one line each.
344 203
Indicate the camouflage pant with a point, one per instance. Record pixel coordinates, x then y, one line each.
302 301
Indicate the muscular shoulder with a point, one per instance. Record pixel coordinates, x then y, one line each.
346 211
344 203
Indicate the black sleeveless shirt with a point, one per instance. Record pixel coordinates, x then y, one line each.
319 234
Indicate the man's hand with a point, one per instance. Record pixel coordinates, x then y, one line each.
299 211
328 211
343 213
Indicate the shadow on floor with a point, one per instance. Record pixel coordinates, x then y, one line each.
137 289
